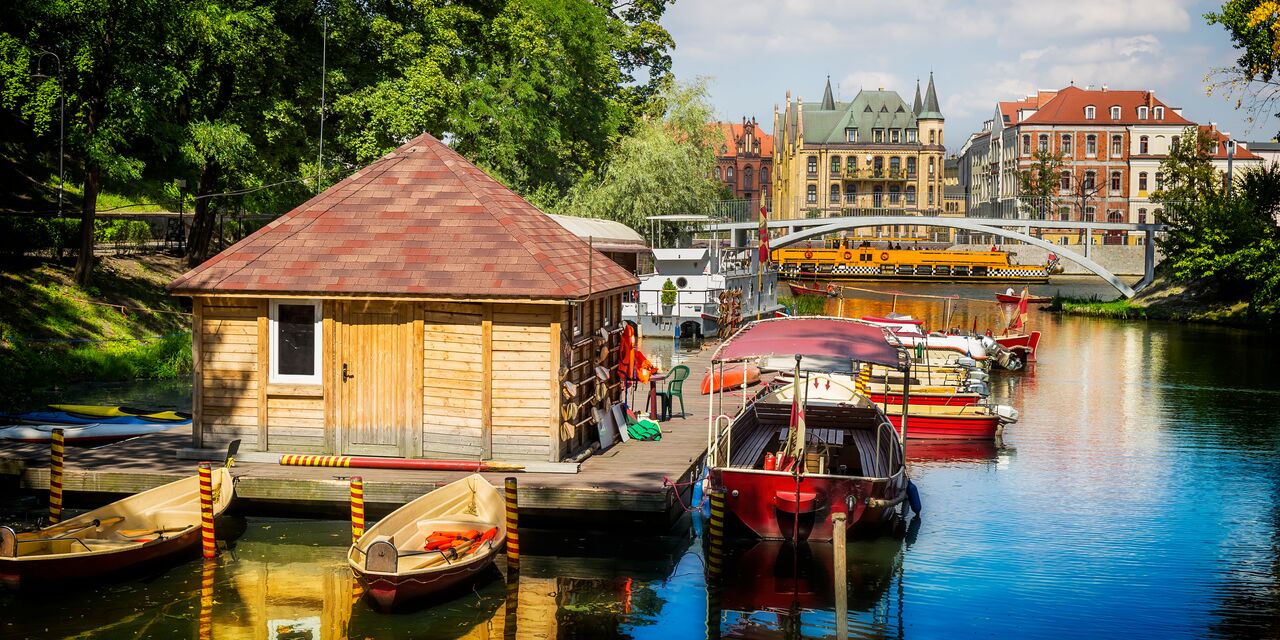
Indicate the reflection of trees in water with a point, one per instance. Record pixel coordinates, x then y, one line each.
1251 607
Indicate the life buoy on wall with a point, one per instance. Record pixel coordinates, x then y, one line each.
848 255
884 256
808 254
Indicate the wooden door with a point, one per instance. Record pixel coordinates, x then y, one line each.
373 376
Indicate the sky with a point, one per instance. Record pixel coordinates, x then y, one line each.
980 51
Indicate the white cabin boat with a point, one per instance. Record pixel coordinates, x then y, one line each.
712 284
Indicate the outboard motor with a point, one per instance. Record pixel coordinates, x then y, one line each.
1006 413
967 362
978 376
979 388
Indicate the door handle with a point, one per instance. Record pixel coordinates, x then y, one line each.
346 376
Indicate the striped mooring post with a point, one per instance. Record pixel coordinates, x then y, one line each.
210 544
513 525
864 377
715 537
57 447
357 508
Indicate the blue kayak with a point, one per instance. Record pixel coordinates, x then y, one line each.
62 417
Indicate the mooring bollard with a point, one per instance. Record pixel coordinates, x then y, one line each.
205 620
206 511
715 537
57 446
357 508
841 574
513 526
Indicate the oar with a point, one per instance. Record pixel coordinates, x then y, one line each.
69 528
138 533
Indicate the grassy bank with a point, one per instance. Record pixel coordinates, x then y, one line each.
805 305
124 327
1164 299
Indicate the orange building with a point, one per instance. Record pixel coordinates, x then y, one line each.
744 161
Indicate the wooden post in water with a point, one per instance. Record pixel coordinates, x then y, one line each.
57 446
357 508
513 526
841 575
209 543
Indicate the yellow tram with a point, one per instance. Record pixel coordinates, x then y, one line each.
885 259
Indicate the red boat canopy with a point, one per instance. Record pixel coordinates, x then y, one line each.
825 344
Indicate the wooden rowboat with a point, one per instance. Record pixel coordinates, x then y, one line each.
391 561
733 378
160 523
1008 299
798 289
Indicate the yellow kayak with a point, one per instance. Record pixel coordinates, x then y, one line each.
104 411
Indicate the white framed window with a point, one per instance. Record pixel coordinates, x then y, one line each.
1115 112
1158 113
295 341
1142 113
1090 112
578 325
608 312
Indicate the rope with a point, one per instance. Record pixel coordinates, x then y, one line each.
915 295
666 482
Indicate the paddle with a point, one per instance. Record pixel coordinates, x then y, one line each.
69 528
138 533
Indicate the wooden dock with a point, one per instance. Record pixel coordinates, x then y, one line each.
626 481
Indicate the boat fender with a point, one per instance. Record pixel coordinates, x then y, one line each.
913 496
848 255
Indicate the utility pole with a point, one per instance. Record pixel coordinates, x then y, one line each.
1231 156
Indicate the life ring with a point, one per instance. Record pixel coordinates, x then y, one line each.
831 291
848 255
884 256
808 254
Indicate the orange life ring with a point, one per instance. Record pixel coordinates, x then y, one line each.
884 256
808 254
848 255
831 289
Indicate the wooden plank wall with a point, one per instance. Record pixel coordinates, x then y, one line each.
454 381
522 397
230 375
580 357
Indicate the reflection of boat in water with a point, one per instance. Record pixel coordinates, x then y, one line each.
953 451
784 581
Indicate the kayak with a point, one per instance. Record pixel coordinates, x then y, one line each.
84 434
106 411
733 379
62 417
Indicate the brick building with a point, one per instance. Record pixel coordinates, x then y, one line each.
744 160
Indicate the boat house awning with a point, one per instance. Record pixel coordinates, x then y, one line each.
604 235
825 344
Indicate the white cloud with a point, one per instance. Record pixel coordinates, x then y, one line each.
866 79
1095 17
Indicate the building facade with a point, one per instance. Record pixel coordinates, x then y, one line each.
744 161
874 152
1110 145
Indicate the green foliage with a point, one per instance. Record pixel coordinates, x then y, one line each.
663 167
39 365
1039 184
805 305
669 293
1254 27
1231 239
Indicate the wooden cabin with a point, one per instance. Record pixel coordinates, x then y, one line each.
416 309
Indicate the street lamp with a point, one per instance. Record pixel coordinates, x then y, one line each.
1231 156
62 104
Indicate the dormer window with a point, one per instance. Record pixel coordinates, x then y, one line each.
1142 113
851 134
1115 112
1090 112
895 135
1158 113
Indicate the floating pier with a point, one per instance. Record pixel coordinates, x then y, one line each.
622 486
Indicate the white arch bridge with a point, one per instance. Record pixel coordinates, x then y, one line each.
801 229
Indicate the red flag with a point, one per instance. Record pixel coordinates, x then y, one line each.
764 236
1019 321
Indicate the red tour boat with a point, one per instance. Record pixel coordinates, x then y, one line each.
791 458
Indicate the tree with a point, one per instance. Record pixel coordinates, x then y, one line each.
1038 185
1254 26
663 167
118 73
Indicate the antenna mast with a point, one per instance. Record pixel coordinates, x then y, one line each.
324 60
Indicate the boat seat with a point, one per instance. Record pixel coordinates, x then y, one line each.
175 518
381 555
751 447
866 445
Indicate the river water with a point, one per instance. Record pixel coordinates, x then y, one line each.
1139 496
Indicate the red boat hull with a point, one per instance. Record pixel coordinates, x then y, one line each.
390 592
948 427
60 570
801 290
932 399
1008 299
733 378
1021 343
763 501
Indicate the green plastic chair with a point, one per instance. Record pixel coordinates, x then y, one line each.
674 389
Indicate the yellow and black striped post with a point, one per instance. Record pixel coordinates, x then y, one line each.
210 545
357 508
513 526
57 446
861 384
715 537
297 460
205 621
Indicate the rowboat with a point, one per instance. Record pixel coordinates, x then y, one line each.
1015 299
836 455
962 422
733 379
107 411
798 289
391 559
1023 344
92 434
147 527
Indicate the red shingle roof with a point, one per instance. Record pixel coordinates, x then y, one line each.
1242 153
1068 108
421 221
733 131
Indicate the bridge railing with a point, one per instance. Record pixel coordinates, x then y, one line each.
845 205
1071 209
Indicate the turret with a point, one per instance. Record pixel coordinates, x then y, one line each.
915 105
828 102
929 119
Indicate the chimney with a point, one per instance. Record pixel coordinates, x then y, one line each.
1104 87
